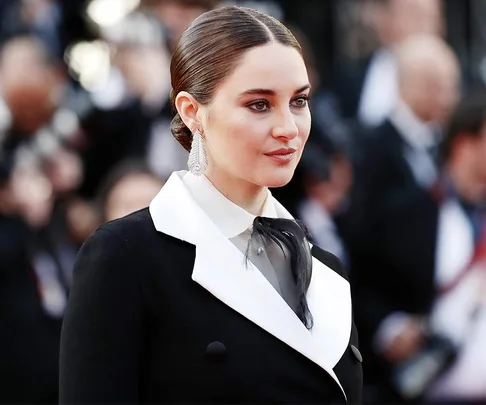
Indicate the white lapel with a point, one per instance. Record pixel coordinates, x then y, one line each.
222 270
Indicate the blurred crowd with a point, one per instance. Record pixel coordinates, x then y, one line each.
392 181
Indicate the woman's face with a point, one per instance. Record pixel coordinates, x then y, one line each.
258 122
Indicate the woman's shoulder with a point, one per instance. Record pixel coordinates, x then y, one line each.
134 233
129 248
123 235
130 227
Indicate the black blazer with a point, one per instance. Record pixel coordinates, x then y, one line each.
155 318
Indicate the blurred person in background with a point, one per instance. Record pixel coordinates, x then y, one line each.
29 338
390 228
129 187
459 307
368 88
131 115
36 254
31 84
325 176
436 334
33 89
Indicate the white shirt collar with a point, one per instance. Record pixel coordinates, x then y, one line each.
416 133
230 218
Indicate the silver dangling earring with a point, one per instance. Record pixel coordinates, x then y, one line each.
198 160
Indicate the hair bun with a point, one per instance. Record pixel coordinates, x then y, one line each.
181 132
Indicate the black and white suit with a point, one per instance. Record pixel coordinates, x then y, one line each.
165 310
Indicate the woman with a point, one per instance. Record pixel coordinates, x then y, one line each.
213 294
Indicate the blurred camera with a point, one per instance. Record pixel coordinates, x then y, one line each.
414 376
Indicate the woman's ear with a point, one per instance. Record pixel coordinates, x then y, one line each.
187 107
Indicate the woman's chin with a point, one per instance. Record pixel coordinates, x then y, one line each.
278 179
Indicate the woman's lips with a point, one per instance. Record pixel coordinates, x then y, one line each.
283 155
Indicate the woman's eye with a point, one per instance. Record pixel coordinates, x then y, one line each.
300 102
259 106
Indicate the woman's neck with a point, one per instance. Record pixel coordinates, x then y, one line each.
248 196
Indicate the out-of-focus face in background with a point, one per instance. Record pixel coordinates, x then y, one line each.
131 193
429 77
436 92
397 19
466 165
30 85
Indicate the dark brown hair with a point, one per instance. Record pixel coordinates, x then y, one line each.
205 4
209 50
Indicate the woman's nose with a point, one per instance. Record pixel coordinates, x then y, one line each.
285 126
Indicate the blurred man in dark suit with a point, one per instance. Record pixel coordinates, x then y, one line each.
391 227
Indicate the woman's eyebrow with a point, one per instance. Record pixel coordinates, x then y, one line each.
270 92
